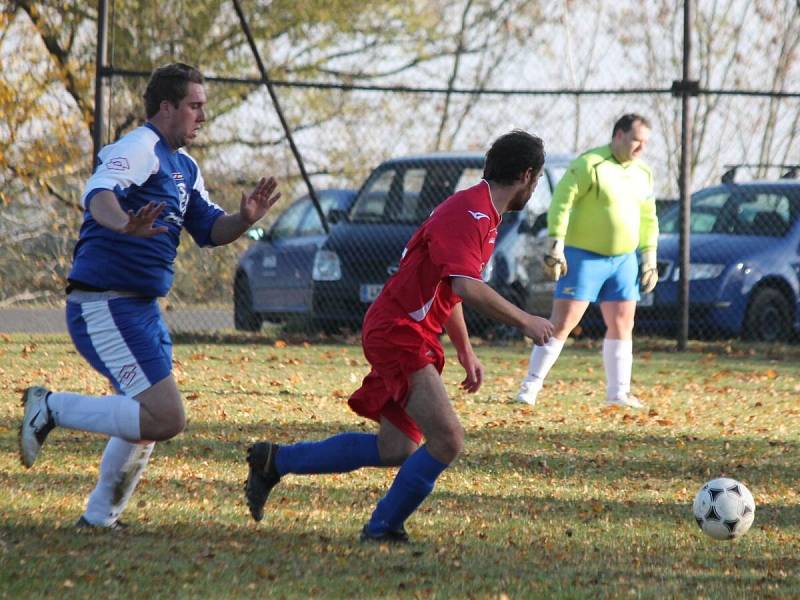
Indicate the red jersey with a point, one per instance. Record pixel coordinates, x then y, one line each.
457 240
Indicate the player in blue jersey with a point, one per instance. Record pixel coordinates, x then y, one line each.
144 191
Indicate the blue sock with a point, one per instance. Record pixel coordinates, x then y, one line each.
338 454
414 482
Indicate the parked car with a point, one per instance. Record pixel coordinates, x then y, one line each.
364 248
745 263
273 277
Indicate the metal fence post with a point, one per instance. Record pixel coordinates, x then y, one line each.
99 78
687 88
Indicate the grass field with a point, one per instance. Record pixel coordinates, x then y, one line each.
569 499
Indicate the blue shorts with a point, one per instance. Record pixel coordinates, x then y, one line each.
124 339
598 278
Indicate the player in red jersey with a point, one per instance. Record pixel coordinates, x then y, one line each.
404 391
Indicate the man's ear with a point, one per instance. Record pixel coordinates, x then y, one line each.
166 106
529 175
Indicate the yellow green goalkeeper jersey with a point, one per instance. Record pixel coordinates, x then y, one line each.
604 206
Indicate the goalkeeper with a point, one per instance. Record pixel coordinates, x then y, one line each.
603 232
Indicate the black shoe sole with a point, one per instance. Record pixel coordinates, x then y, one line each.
389 537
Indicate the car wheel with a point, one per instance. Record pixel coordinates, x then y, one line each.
769 317
244 317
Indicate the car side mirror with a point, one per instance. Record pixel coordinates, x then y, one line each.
336 215
539 224
256 233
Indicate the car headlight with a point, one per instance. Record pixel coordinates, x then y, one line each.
327 266
700 271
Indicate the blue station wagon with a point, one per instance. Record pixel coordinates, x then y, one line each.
744 276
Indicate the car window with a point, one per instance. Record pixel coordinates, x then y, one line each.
287 224
556 173
706 211
741 213
540 200
412 182
469 177
373 198
407 193
311 224
766 214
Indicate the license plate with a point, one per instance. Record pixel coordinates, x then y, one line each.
646 300
369 291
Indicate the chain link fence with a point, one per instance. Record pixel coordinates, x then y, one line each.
381 158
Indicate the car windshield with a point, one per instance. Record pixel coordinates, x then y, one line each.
738 211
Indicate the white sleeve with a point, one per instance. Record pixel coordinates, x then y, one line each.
200 185
129 161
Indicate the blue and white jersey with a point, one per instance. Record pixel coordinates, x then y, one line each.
140 168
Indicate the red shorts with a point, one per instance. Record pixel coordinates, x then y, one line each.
395 351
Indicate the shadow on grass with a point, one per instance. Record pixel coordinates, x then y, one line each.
323 559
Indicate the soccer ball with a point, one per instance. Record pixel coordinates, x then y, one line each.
724 508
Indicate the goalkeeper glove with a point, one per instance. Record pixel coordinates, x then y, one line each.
648 277
555 263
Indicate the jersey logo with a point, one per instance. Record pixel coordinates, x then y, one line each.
183 195
126 375
477 215
119 163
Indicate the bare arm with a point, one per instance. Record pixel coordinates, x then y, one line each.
457 332
229 228
105 209
479 295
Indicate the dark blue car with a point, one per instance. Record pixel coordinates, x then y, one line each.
365 245
273 277
745 263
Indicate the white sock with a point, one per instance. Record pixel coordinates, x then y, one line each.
542 360
618 363
116 416
121 468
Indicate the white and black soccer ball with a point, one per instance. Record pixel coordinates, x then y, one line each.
724 508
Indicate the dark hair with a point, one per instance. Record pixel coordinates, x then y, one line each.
511 155
625 122
169 83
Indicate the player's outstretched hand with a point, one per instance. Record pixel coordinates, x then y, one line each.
474 371
538 329
260 200
140 223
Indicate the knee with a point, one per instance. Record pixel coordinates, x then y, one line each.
448 444
162 426
172 427
395 454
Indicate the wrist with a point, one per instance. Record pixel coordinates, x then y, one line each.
648 258
120 225
556 245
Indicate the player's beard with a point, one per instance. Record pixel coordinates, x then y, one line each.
520 199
